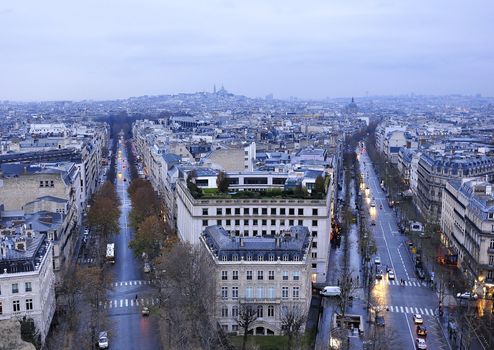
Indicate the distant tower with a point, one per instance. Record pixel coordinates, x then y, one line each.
214 89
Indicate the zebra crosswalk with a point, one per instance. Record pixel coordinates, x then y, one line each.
407 283
130 283
129 302
410 310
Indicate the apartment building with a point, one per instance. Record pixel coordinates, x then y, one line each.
467 223
271 275
253 213
27 281
436 169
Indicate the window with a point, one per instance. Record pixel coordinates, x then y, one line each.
285 275
228 222
270 311
15 288
301 222
248 292
246 222
314 222
282 222
235 292
314 233
290 222
29 287
46 183
237 211
285 257
29 304
314 266
234 275
204 222
282 211
41 184
271 257
254 232
314 255
271 275
291 211
314 211
264 211
492 244
246 211
224 275
284 292
273 232
264 232
300 211
255 211
52 184
235 311
296 276
218 222
224 292
273 222
314 244
1 308
254 222
295 292
16 305
491 259
271 293
260 257
237 222
219 211
260 293
264 222
249 257
273 211
204 211
260 275
235 326
224 311
260 311
224 328
249 275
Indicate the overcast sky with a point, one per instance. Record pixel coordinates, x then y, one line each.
103 49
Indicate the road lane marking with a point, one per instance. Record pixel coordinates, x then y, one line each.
392 309
410 331
427 312
421 311
406 309
401 308
386 243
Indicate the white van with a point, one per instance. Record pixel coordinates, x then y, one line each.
331 291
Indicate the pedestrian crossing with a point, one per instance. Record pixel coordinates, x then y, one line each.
129 302
410 310
407 283
130 283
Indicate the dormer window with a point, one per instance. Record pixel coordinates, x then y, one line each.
249 257
234 257
285 257
260 257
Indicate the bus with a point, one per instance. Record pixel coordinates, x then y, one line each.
110 253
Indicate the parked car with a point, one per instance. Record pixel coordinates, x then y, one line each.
331 291
420 343
103 342
467 295
373 222
380 321
379 274
421 331
417 319
377 260
147 267
145 311
391 274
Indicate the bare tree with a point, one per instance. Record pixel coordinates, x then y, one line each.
293 317
187 290
348 287
246 318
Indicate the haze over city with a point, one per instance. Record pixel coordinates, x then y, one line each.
54 50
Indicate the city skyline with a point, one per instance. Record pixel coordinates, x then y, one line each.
59 51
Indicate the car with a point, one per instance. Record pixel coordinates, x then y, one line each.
377 260
467 295
145 311
421 331
330 291
417 319
147 267
103 342
420 343
380 321
373 222
379 274
391 275
372 204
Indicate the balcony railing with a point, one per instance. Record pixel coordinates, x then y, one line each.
260 300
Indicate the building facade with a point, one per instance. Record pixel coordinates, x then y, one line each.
270 275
